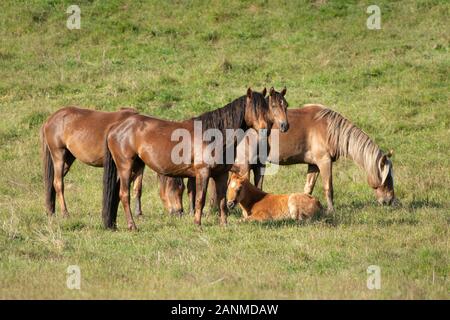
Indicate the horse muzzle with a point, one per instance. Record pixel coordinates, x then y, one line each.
177 212
284 126
231 204
387 201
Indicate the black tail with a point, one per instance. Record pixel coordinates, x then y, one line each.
110 191
49 174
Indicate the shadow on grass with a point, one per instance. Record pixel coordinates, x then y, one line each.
357 205
338 220
355 213
414 204
73 226
424 203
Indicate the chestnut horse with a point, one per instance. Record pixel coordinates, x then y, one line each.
320 136
140 140
171 193
277 115
258 205
74 133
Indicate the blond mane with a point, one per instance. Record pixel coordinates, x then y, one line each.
347 140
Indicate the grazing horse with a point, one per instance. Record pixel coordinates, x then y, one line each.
171 193
277 115
320 136
142 140
74 133
258 205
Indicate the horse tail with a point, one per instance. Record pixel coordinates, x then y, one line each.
110 190
49 174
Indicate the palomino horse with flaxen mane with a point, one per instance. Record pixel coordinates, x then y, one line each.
319 136
74 133
142 140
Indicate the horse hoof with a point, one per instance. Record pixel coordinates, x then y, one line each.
198 222
132 227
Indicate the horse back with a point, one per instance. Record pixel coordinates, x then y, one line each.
303 205
82 131
306 139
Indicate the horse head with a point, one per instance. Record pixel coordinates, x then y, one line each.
234 190
278 108
384 190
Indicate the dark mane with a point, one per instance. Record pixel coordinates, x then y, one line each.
232 115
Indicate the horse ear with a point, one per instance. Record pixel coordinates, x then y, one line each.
234 169
249 92
283 92
390 153
383 161
264 92
384 168
246 175
271 91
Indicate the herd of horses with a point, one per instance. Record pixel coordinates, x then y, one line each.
124 142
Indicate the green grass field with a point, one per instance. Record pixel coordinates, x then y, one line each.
181 59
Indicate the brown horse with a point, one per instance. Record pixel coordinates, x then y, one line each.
74 133
261 206
171 193
141 140
277 115
320 136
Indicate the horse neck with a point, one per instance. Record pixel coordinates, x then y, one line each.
251 195
366 155
347 140
230 116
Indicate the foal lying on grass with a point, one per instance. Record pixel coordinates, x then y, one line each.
258 205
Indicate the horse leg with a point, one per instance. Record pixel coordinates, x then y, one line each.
201 184
213 200
311 178
327 179
162 193
221 191
124 171
191 194
138 170
258 176
68 162
59 157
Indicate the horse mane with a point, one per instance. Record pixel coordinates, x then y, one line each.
131 109
347 140
232 115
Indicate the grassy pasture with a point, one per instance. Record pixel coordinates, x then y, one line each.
176 59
